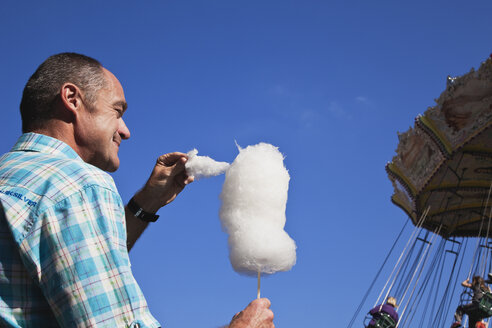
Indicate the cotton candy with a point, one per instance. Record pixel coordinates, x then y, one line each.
254 198
203 166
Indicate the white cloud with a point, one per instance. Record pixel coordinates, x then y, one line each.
308 118
362 100
338 111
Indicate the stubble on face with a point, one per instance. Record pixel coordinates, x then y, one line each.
102 125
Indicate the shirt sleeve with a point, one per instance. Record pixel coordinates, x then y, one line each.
76 251
375 310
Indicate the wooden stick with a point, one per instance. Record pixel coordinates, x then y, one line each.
259 275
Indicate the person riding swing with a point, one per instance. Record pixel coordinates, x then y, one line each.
475 314
384 315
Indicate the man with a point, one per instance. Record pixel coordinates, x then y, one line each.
389 308
64 231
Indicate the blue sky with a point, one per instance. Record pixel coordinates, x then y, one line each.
328 82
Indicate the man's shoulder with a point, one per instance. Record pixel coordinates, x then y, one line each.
52 176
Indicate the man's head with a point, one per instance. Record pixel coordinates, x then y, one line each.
73 98
42 91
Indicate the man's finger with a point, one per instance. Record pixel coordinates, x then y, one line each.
237 315
263 302
189 180
182 179
172 159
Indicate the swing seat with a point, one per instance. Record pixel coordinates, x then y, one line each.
485 305
384 321
482 309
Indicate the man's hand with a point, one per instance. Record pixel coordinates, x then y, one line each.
256 315
167 180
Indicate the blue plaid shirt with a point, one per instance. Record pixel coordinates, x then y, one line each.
63 255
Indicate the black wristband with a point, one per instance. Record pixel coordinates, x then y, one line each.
139 212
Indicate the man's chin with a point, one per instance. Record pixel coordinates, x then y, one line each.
109 166
113 166
112 169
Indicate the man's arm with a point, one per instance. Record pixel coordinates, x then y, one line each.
84 271
166 181
466 283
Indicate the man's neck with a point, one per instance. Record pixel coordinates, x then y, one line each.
61 131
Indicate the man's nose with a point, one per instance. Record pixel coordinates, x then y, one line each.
123 130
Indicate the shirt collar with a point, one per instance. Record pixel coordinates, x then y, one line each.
41 143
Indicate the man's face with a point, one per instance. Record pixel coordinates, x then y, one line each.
102 127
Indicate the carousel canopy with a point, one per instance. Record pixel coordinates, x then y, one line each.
444 163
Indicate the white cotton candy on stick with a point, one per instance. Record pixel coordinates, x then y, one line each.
265 250
203 166
254 198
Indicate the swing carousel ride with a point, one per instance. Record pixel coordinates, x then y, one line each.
442 179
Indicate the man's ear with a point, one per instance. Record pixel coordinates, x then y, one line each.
71 97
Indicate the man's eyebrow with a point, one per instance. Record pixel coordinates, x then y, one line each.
122 104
